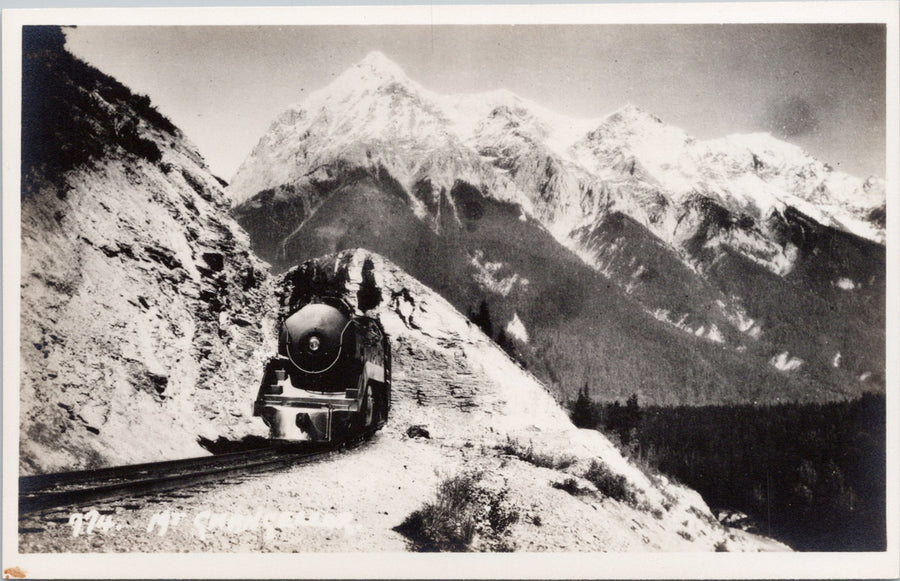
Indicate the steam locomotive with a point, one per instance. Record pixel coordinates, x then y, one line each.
331 378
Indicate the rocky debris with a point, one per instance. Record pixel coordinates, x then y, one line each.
145 318
737 520
418 432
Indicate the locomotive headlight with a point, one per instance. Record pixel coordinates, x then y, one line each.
314 344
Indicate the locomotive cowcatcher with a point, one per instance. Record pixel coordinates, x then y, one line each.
331 378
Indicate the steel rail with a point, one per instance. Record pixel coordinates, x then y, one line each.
38 493
41 482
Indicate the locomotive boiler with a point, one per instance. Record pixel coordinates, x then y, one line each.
331 378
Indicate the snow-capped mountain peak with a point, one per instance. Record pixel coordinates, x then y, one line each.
374 73
759 165
638 128
378 64
374 77
373 115
631 114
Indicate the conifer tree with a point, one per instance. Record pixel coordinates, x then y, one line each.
583 410
369 295
483 319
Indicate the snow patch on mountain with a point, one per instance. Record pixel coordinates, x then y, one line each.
761 250
740 319
712 333
785 362
844 283
489 275
516 328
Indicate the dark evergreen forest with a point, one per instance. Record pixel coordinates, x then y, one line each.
810 475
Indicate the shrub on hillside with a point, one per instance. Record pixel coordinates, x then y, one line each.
463 510
72 113
447 523
133 143
528 454
611 484
571 486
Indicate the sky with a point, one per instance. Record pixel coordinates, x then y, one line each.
819 86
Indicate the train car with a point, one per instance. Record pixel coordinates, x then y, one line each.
331 378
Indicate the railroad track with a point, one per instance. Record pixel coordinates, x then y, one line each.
42 492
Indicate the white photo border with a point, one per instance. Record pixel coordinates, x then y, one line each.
401 565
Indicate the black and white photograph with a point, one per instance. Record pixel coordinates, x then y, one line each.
449 291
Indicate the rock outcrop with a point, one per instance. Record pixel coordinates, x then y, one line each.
144 314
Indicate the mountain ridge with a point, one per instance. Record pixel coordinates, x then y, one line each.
456 117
